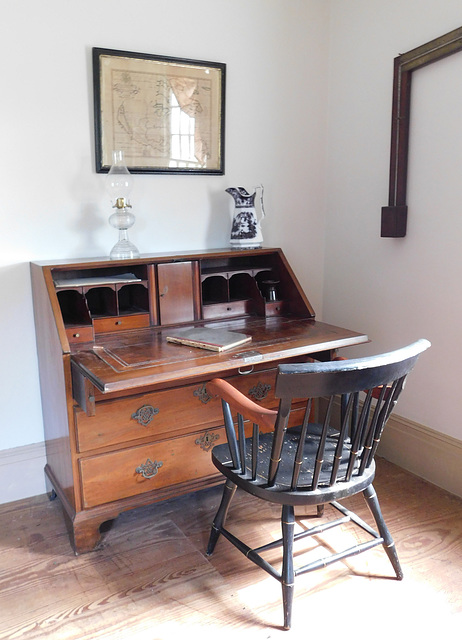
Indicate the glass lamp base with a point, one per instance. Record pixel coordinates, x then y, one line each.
124 250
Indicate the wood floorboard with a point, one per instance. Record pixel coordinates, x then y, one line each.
151 579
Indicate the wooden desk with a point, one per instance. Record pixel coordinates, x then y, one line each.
128 420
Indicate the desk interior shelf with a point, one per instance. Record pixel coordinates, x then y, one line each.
104 299
99 298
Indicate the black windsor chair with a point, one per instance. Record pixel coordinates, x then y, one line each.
313 463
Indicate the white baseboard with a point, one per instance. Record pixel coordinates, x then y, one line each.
426 453
21 472
429 454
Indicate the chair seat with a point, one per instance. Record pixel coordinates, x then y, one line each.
281 492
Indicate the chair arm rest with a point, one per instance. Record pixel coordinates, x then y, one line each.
249 409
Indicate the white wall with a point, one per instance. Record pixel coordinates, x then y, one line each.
397 290
54 205
284 58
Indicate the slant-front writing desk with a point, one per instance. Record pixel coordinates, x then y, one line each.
128 420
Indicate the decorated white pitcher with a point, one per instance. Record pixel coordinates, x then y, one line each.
246 230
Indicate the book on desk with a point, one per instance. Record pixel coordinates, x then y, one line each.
211 339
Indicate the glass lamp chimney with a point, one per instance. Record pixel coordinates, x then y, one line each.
119 186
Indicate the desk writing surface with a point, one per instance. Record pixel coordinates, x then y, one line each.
144 357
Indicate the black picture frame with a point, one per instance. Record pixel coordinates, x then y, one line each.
166 114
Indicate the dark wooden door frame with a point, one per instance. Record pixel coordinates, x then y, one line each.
394 216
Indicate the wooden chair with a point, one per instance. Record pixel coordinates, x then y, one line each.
313 463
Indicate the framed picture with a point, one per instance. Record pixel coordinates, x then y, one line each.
166 114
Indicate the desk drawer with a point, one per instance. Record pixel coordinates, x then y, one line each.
122 474
171 412
80 334
121 323
226 309
277 308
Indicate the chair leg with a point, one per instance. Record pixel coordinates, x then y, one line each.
288 574
228 492
388 544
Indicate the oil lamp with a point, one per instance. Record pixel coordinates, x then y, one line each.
119 185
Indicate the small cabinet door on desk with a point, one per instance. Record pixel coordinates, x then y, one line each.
177 292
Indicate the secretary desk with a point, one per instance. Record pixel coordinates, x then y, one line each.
127 416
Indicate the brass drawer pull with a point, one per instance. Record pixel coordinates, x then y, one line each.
207 440
145 414
245 373
149 469
260 391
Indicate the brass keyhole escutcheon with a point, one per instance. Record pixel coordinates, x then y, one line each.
207 440
202 394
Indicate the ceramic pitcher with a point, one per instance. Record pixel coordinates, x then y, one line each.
246 230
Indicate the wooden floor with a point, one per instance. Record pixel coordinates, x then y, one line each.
151 580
